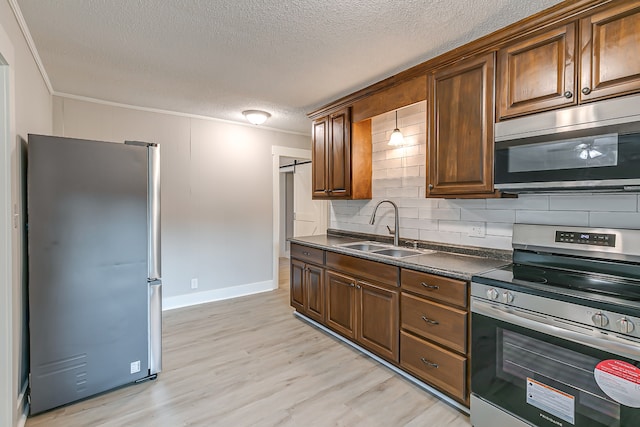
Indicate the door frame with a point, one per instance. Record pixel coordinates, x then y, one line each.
277 152
8 359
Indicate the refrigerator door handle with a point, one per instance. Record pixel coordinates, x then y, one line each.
155 271
155 327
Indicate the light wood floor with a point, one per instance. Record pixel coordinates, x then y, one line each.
250 362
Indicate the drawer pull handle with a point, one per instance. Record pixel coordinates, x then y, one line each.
431 322
431 364
305 253
431 287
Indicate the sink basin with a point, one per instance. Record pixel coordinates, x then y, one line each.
383 249
398 252
363 246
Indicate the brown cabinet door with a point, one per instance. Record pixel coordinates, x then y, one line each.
297 285
378 318
610 49
339 170
320 160
538 73
341 297
460 112
314 278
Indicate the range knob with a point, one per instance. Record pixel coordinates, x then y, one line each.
600 320
507 297
625 325
492 294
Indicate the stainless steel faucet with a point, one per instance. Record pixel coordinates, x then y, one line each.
396 231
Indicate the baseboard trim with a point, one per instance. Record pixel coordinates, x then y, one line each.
23 406
187 300
426 387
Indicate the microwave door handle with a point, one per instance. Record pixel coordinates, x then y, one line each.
609 343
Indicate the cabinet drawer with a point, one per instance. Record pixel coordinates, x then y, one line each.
435 365
437 322
376 271
439 288
306 253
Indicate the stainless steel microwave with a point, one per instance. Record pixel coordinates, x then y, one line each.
592 147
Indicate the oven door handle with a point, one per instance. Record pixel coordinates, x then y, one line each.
540 323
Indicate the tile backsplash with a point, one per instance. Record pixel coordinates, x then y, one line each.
399 174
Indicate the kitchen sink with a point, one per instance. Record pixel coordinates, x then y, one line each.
384 250
399 252
363 246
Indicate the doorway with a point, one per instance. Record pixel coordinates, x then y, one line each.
300 214
294 212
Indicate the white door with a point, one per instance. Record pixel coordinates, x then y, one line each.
309 216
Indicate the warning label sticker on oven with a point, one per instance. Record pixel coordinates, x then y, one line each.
551 400
620 381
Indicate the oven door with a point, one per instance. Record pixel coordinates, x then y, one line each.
551 373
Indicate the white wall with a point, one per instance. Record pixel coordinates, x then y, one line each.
216 194
30 112
400 174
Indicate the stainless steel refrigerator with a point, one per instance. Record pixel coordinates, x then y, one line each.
95 294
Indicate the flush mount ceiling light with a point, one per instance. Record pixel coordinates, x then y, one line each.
256 117
396 135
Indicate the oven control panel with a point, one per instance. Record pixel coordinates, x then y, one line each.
580 238
564 311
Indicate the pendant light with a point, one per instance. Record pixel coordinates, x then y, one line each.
396 135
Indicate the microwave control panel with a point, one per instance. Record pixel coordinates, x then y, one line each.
595 239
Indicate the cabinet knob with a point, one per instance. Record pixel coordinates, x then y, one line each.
586 90
430 186
352 285
358 287
429 321
426 362
430 287
568 94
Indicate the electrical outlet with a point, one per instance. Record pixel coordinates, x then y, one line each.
194 283
478 231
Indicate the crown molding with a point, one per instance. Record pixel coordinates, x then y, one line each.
32 46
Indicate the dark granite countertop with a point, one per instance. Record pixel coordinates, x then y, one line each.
458 262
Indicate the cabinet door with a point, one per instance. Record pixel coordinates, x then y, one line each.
538 73
314 289
340 154
297 285
341 294
378 318
320 159
610 48
460 158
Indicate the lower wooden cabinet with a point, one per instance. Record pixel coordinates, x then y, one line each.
417 321
435 365
307 289
341 303
365 312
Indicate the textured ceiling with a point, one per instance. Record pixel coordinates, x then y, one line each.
218 57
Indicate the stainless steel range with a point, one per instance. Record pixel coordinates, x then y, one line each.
556 335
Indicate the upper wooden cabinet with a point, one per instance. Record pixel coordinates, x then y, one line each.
610 51
341 157
538 73
460 119
548 71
